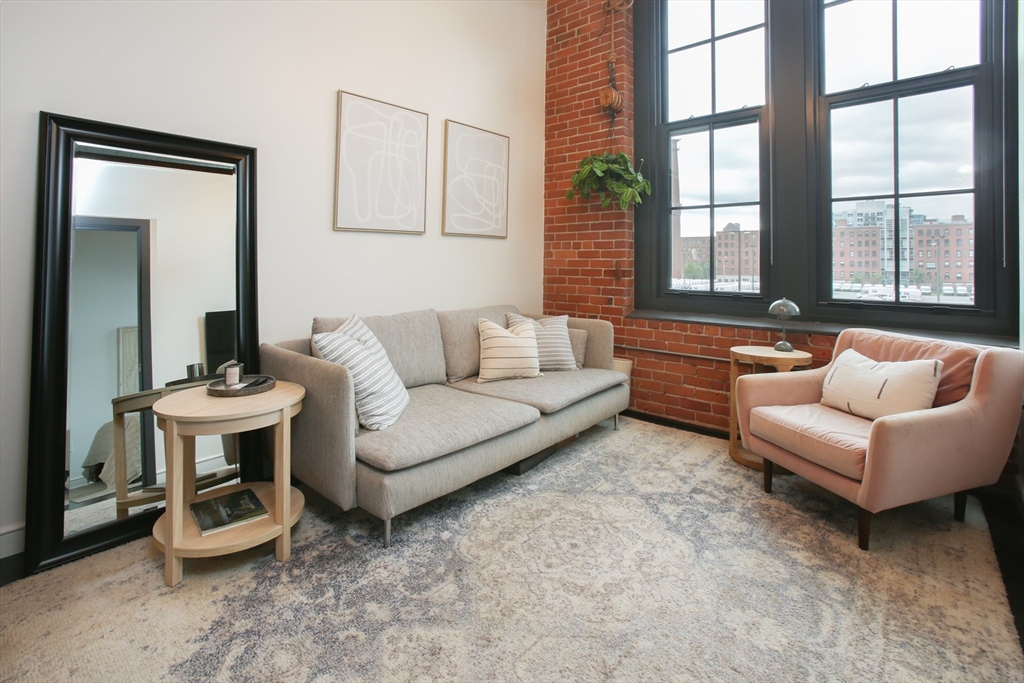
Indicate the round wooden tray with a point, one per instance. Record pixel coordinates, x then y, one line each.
217 388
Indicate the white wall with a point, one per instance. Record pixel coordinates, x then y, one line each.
267 75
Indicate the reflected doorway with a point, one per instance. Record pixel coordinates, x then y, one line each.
110 356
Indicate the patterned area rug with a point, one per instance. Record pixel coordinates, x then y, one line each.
642 554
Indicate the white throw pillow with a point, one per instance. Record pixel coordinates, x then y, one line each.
507 354
868 388
380 395
554 350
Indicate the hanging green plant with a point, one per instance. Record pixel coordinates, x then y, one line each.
611 176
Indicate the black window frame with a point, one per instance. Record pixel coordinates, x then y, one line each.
796 229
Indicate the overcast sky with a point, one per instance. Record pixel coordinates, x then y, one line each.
935 130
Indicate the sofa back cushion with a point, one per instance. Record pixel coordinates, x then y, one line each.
957 359
412 341
578 339
460 334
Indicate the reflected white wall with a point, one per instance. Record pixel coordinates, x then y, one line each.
192 252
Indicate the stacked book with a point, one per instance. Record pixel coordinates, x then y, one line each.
227 511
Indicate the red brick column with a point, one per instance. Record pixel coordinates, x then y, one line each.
682 373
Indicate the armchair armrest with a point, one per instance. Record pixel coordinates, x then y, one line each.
775 389
928 453
323 434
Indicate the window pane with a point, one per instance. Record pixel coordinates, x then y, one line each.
689 21
933 36
737 249
862 161
736 164
936 141
739 71
861 236
732 15
689 83
691 168
934 220
858 44
691 250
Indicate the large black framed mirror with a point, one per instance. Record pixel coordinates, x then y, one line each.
70 298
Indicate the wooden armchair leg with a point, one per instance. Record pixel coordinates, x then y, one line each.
863 527
767 466
959 505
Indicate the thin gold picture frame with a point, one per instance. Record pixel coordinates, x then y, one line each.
475 170
357 199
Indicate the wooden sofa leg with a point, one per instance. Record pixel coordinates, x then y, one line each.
387 533
863 527
959 505
767 466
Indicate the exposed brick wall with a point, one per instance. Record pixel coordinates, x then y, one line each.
588 252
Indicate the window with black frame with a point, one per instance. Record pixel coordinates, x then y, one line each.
903 112
857 156
715 96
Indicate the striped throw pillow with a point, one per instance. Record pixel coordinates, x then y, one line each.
554 350
380 395
507 354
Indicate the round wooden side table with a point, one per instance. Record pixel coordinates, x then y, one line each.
187 414
759 357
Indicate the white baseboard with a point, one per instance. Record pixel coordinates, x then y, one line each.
12 539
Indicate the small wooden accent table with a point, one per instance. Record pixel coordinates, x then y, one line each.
758 356
187 414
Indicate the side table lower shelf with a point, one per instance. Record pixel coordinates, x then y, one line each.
194 544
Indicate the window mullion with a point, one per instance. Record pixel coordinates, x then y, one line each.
712 247
896 200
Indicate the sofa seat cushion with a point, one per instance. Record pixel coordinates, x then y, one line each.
550 392
440 420
826 437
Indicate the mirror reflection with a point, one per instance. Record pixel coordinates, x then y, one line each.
152 297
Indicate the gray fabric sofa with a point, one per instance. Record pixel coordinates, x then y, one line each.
455 430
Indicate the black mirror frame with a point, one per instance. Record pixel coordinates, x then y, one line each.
45 543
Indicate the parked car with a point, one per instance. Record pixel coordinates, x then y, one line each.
961 290
926 289
910 293
947 290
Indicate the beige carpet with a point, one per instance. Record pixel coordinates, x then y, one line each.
643 554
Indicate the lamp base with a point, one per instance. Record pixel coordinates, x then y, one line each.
784 346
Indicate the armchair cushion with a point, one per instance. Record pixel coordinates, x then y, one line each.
827 437
868 388
957 359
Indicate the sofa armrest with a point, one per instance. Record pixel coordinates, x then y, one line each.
323 434
775 389
927 453
600 341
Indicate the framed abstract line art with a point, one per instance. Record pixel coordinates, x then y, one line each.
475 182
381 176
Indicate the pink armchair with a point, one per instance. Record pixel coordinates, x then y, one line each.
962 442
